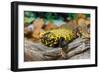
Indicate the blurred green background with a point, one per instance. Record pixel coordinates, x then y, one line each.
56 18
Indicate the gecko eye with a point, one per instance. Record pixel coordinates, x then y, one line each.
46 35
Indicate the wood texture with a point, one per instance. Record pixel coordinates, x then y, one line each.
35 51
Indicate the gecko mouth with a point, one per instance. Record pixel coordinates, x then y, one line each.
49 40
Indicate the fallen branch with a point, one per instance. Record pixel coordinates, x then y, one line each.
41 52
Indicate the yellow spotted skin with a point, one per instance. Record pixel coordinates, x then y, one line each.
51 38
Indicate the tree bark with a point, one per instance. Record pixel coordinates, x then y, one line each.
39 52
